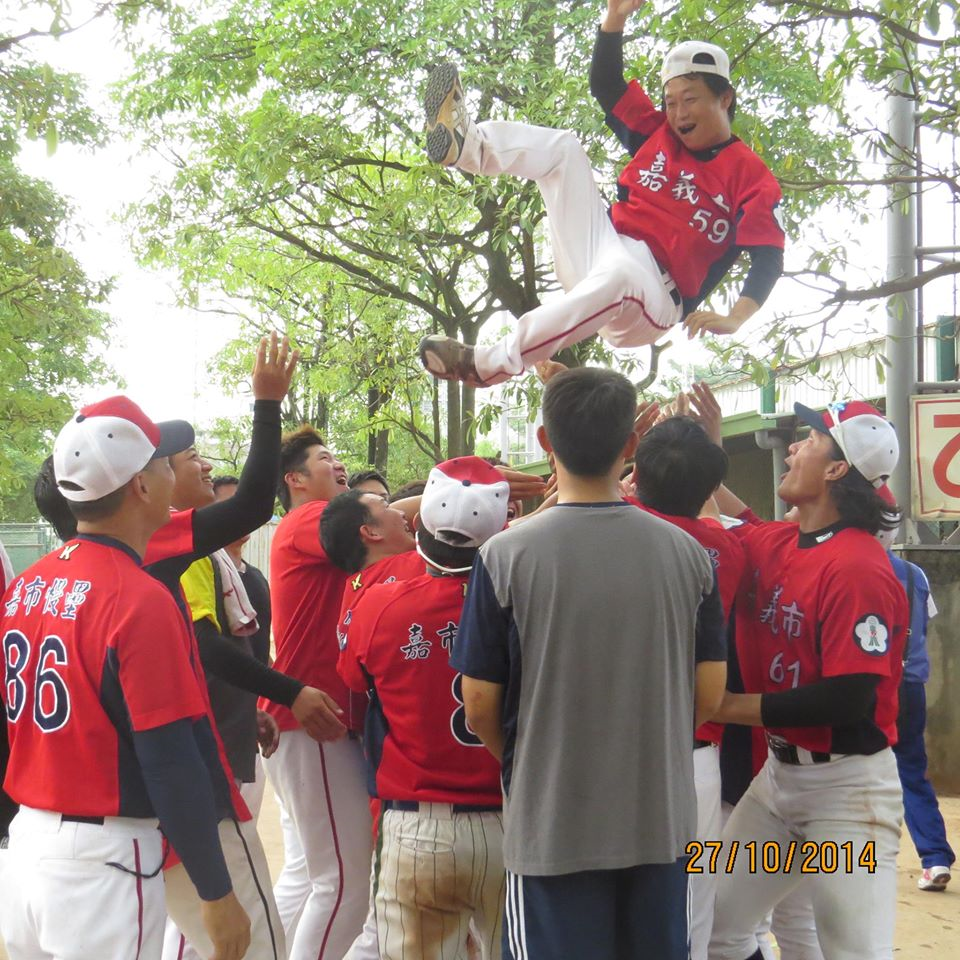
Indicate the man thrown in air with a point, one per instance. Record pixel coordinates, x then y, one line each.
690 201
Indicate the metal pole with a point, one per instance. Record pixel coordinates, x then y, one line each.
901 308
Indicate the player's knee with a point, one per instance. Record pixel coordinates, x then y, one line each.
568 143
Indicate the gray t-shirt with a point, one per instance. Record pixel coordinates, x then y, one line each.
593 617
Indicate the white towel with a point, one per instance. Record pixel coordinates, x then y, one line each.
241 617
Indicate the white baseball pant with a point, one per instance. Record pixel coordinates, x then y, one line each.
791 921
247 866
323 790
60 901
293 885
702 887
175 945
854 799
367 944
613 286
441 879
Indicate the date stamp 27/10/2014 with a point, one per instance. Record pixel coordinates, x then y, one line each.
774 856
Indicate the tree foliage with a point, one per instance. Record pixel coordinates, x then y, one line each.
299 189
52 330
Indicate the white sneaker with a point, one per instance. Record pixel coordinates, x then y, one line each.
934 878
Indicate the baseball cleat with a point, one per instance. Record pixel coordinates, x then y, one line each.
934 878
449 359
447 117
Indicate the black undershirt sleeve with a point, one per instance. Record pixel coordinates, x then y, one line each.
178 785
711 630
223 659
607 83
831 702
252 505
766 267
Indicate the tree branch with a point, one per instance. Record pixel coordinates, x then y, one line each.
892 287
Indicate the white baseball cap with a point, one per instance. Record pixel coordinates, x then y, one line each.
465 497
695 56
106 444
867 440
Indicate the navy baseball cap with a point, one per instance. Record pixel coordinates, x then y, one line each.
865 437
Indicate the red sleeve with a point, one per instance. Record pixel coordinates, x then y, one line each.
306 532
355 642
173 539
636 110
862 619
159 685
732 563
758 223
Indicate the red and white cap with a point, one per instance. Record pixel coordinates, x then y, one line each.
867 440
465 497
695 56
888 538
108 443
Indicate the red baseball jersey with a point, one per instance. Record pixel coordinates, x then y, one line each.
173 539
418 744
306 590
401 566
691 211
94 649
816 606
726 555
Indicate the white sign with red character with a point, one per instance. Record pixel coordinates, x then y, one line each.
935 456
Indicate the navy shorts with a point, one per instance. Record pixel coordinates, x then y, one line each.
629 914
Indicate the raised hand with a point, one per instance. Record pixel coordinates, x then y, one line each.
705 408
273 368
617 13
547 369
648 413
523 486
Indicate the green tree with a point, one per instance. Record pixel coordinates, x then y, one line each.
299 187
52 330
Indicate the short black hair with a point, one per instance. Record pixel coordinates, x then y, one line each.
858 502
717 85
678 467
588 414
361 476
293 455
90 511
52 505
412 489
444 555
225 481
340 526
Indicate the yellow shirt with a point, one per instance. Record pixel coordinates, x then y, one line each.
199 589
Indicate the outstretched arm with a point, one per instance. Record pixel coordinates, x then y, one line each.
252 505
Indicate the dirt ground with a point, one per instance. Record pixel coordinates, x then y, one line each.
927 922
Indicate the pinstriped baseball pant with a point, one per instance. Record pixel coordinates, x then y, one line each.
613 285
438 872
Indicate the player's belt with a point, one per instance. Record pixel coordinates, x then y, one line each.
697 744
671 286
798 756
427 808
68 818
